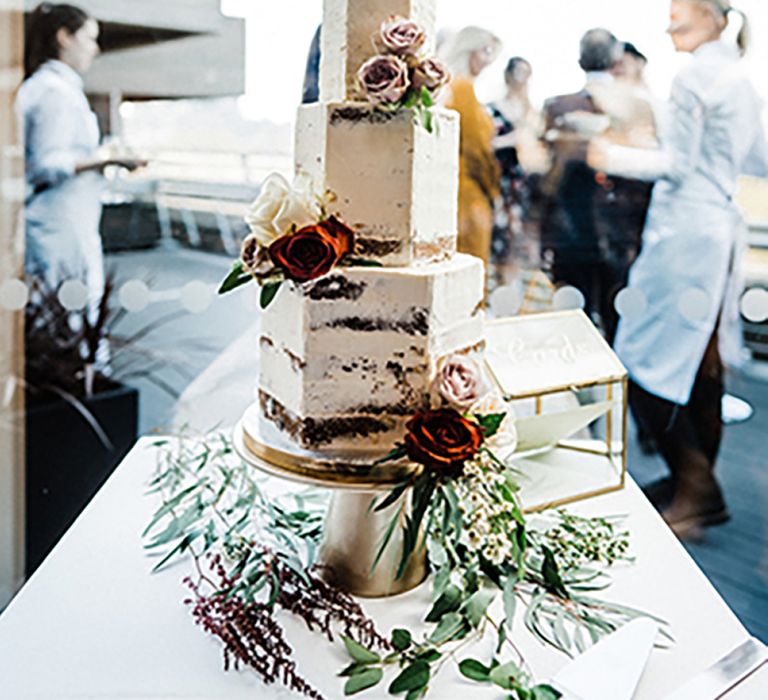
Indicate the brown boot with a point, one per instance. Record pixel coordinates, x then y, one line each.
698 503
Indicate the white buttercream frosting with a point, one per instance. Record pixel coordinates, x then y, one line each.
346 39
392 181
372 345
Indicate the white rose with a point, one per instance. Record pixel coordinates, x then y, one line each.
279 207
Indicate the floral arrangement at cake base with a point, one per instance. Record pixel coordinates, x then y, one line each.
255 555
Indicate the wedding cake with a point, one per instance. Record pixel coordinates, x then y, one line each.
347 357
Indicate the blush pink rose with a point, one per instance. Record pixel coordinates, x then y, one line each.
460 381
400 36
384 79
431 74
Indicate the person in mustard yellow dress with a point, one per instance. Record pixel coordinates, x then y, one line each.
467 54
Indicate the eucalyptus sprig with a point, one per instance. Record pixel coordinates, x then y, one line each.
254 554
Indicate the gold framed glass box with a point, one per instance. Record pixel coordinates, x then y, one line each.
568 391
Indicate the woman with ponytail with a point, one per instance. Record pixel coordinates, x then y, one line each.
687 275
61 138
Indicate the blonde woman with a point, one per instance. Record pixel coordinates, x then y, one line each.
467 54
687 277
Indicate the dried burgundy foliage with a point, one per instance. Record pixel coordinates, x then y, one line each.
252 637
321 606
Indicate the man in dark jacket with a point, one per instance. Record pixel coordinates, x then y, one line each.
592 223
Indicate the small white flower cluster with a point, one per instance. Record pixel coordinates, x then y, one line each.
487 521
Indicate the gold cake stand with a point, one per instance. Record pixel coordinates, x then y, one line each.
353 531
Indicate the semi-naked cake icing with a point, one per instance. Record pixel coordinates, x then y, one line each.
394 183
348 358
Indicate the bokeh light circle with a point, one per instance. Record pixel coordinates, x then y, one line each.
14 295
73 295
754 305
506 300
134 296
693 304
631 303
197 296
568 298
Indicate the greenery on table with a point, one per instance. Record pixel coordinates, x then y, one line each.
254 554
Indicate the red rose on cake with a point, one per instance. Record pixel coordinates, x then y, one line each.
312 251
384 79
442 440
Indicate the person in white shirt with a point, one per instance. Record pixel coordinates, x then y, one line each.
61 137
687 277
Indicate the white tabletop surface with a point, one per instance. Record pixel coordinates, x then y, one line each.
93 623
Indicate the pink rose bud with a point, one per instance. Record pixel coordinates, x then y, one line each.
384 79
431 74
460 381
400 36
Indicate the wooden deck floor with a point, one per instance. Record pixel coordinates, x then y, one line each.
735 556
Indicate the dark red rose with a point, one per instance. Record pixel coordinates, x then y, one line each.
442 440
341 233
307 254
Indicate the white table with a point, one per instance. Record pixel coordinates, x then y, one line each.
93 623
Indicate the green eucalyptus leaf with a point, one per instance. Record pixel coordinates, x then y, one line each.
397 452
438 556
412 677
364 680
505 676
268 292
440 581
428 121
416 693
501 636
429 656
411 99
478 603
362 262
551 573
474 670
169 505
359 653
385 540
544 692
426 97
401 639
236 278
392 497
491 423
451 626
449 601
509 598
423 489
353 669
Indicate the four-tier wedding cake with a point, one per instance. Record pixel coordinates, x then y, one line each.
348 357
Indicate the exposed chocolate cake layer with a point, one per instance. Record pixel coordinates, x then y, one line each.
333 288
415 322
313 433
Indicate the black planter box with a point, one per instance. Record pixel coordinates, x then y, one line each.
67 463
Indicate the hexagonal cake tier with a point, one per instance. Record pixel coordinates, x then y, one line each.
347 359
392 181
